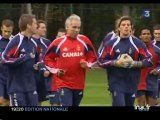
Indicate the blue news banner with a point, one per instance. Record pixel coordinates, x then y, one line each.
64 109
33 109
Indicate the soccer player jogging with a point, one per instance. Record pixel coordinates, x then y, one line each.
43 76
7 29
54 96
123 57
20 56
110 36
68 57
60 32
156 41
148 85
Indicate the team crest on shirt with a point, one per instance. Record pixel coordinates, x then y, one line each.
130 51
78 48
65 49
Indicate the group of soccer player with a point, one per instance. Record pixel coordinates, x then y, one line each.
132 64
24 79
34 70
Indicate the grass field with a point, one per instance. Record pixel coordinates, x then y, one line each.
95 93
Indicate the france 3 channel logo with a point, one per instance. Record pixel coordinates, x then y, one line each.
146 13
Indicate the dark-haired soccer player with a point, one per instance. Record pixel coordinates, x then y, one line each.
156 41
54 95
42 75
7 29
148 85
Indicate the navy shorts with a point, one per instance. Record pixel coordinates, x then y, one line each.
24 99
54 98
123 99
153 94
70 97
41 90
158 88
3 91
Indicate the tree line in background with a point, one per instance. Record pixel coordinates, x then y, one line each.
97 19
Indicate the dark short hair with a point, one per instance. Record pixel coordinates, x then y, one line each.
39 22
156 27
7 23
61 30
144 28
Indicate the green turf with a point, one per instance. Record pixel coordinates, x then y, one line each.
95 92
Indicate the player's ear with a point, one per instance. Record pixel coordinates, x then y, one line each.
67 27
28 26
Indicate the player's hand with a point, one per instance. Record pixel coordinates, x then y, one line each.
128 58
40 64
46 73
154 72
124 61
129 61
32 55
83 63
35 66
60 73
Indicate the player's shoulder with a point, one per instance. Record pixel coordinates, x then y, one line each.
60 39
137 40
17 37
112 41
45 39
156 48
83 38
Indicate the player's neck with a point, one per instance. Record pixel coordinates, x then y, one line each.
27 34
124 36
36 36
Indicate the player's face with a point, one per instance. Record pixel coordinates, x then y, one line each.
6 31
59 34
41 30
145 35
156 34
33 27
73 28
125 28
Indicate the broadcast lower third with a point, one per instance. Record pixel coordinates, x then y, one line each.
30 109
